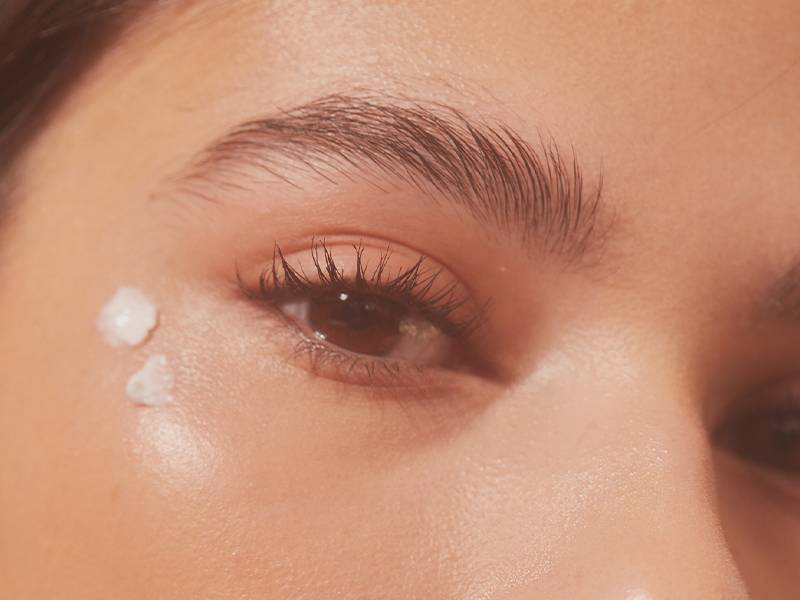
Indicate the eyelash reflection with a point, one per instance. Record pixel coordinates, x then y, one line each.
414 289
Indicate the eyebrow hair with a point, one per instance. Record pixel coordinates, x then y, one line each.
534 192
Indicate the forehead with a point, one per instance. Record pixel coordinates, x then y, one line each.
674 99
684 106
634 61
652 77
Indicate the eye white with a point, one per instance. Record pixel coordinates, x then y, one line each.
421 342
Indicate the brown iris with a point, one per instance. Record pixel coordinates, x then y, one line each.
357 322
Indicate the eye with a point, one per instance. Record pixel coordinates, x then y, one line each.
369 325
366 314
768 433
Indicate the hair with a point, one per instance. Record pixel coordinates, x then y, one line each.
45 45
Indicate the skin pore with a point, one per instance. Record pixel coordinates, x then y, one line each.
635 296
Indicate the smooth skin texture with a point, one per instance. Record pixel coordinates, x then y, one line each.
589 473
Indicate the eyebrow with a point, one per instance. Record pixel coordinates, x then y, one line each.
534 192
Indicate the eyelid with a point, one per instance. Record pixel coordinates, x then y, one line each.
412 279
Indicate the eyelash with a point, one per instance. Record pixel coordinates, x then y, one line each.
414 287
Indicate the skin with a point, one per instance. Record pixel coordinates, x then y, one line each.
590 472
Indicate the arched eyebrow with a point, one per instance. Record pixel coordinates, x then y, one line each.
534 192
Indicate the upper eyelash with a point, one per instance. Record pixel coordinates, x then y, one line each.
412 286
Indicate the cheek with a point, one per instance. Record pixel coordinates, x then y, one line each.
249 481
254 478
258 480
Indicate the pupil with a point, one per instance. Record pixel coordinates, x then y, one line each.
357 322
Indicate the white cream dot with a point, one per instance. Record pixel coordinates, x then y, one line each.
128 318
152 384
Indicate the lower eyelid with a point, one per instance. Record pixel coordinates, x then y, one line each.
326 361
388 379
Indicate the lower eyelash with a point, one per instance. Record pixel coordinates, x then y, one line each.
326 361
322 355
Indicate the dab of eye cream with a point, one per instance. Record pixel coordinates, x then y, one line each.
152 384
128 318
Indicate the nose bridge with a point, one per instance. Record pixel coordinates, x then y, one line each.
650 527
658 534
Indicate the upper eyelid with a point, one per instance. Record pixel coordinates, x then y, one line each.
449 306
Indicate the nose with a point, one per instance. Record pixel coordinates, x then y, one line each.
654 535
641 520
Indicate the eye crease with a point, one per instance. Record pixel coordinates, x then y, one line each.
370 311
